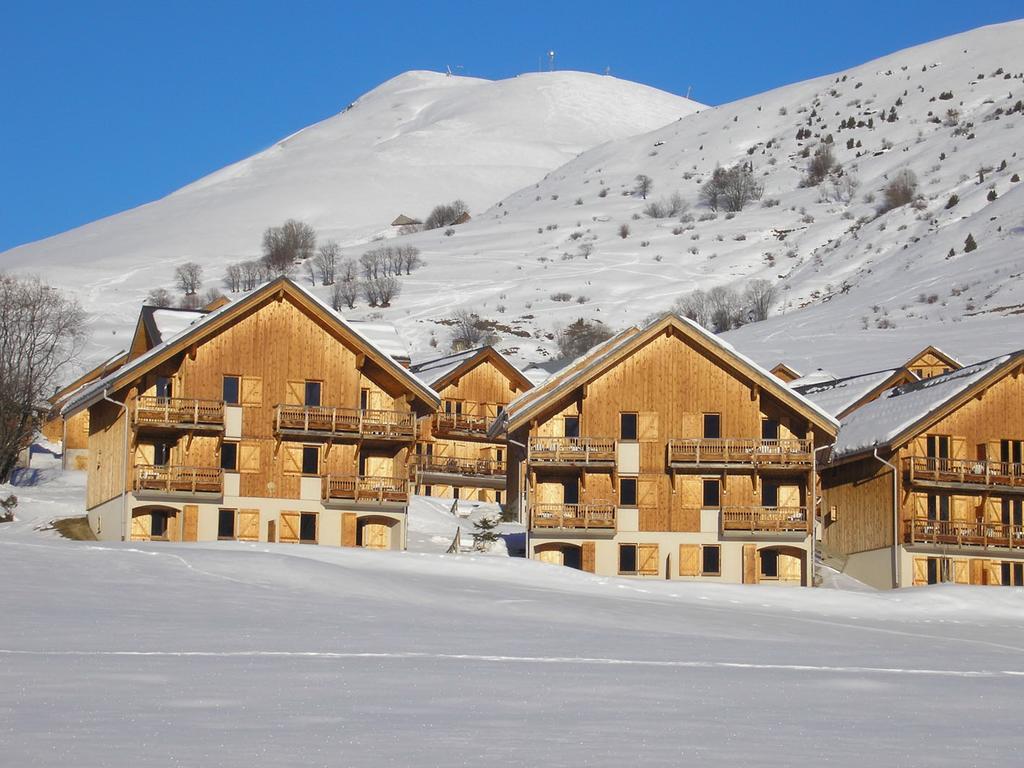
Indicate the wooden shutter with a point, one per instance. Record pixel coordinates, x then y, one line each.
647 559
920 445
920 571
993 572
920 505
686 519
292 457
247 525
961 574
789 495
551 556
295 392
647 492
789 568
992 452
252 391
977 569
379 466
959 509
348 529
750 569
190 527
689 560
589 557
144 453
249 457
993 511
958 447
647 426
375 536
289 527
173 532
141 526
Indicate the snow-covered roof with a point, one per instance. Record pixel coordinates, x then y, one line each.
386 338
436 369
882 421
170 322
837 395
87 395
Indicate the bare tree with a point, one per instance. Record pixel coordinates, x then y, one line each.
902 189
726 309
372 263
445 215
694 306
345 293
209 296
369 289
233 278
348 272
160 297
469 331
644 185
283 246
41 332
731 188
822 163
188 277
388 288
579 337
252 274
758 297
409 258
326 261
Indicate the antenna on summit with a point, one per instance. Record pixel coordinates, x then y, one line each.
551 61
688 89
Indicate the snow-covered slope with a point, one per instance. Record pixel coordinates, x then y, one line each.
417 140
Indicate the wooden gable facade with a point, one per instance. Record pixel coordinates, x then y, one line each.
271 409
944 499
663 453
931 361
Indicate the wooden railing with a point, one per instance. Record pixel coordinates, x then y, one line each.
366 488
740 450
924 530
964 471
179 480
572 450
329 420
177 412
598 515
765 519
454 465
468 423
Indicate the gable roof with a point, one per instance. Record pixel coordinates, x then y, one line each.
949 360
210 323
785 372
402 220
110 364
439 372
608 354
840 396
386 338
905 411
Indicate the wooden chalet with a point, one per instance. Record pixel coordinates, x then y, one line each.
663 453
932 361
455 456
926 483
268 419
405 221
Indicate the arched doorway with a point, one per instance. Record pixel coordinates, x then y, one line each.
375 532
569 555
154 523
782 565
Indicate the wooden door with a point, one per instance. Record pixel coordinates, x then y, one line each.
376 536
789 568
751 568
920 571
142 525
190 523
589 558
348 529
289 527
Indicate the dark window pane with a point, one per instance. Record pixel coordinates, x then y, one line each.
627 426
711 560
627 558
229 456
769 429
313 393
933 571
627 492
570 492
161 454
163 386
712 426
231 390
310 460
572 557
1005 576
226 524
770 495
1018 574
307 527
769 564
572 426
158 524
711 493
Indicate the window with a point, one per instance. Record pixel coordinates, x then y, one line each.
310 460
769 429
428 491
627 492
937 446
499 497
570 491
1012 512
769 564
364 399
627 558
229 457
161 454
770 495
627 426
639 559
711 560
712 426
312 395
158 525
231 390
499 455
938 507
455 492
1012 574
1011 451
571 426
226 524
712 496
163 386
307 527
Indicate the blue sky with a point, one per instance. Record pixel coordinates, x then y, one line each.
107 105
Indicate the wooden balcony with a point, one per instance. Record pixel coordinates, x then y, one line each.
765 520
964 474
740 453
459 466
175 481
465 425
178 413
595 516
319 421
924 530
572 451
365 489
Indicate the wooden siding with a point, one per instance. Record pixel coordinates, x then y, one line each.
861 493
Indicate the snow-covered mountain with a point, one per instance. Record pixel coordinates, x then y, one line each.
417 140
856 289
